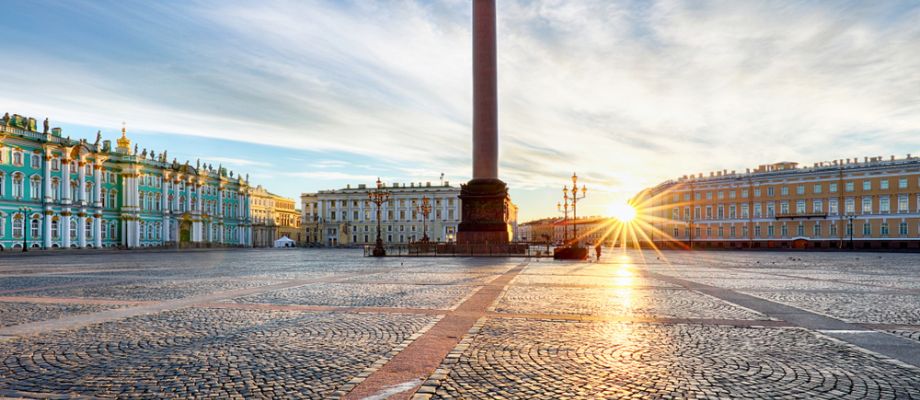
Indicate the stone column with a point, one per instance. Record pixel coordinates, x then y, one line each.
47 180
64 227
97 185
97 230
485 198
81 229
81 178
46 234
485 108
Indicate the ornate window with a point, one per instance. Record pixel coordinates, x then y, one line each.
2 184
18 220
34 226
105 230
73 228
56 189
35 188
36 161
89 228
55 231
17 158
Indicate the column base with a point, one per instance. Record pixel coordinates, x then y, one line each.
485 213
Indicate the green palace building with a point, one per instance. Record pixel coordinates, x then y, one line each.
58 193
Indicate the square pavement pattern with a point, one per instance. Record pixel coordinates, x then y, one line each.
332 324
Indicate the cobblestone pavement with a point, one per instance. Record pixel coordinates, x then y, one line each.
332 324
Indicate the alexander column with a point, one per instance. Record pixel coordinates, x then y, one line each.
485 197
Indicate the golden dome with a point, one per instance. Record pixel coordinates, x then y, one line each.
124 142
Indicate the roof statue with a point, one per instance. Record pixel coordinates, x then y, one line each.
124 142
144 153
6 119
45 125
98 139
135 148
198 163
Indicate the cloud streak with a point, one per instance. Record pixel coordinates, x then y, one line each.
627 93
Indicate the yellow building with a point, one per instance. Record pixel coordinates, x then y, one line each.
869 204
273 216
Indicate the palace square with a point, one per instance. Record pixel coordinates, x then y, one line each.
327 323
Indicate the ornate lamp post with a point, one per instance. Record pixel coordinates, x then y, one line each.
564 209
425 209
850 219
378 196
26 226
575 199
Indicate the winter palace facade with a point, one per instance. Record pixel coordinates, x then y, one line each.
61 193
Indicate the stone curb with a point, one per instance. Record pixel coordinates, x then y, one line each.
342 391
430 387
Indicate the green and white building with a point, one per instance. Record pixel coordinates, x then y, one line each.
58 193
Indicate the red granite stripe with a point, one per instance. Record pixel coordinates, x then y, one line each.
424 355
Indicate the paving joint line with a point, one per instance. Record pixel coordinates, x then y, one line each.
889 346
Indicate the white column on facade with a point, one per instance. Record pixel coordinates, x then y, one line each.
188 197
81 178
64 226
164 205
65 181
176 192
47 180
97 230
81 229
97 185
199 199
220 203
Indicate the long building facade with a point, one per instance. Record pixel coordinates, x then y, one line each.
273 217
344 217
872 203
56 192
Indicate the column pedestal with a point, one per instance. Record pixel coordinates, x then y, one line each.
485 213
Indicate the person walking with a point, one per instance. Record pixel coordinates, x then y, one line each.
597 251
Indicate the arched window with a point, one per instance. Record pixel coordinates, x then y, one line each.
55 231
88 192
56 189
113 199
113 230
18 185
105 230
35 188
104 198
2 184
143 230
55 164
18 220
17 158
89 228
34 226
73 228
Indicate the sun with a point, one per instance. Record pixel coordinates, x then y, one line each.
624 212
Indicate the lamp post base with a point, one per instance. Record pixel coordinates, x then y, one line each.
379 251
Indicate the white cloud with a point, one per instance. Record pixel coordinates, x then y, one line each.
625 93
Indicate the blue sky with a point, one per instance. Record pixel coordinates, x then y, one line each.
307 95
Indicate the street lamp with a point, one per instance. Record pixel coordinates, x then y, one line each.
26 226
850 219
425 210
564 209
575 199
378 196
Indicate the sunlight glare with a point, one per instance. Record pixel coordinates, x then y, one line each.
624 212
